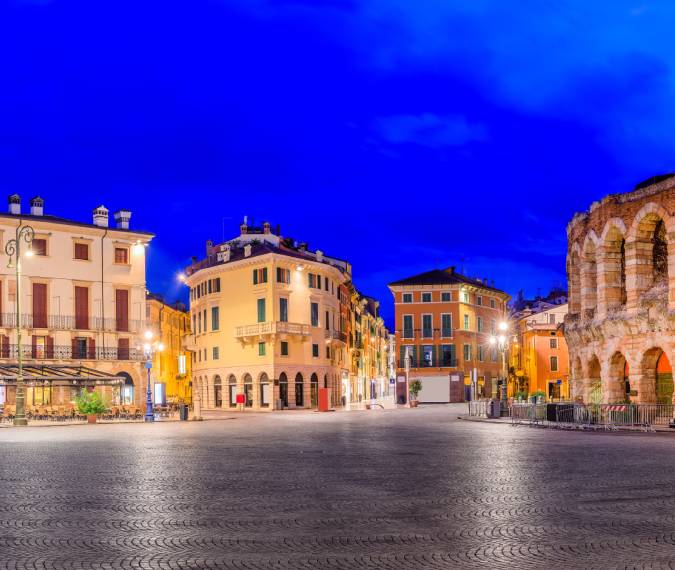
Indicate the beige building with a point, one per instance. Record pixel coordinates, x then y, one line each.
171 366
83 306
266 323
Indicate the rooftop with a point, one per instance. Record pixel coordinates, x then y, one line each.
445 277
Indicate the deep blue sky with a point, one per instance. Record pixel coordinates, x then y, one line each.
402 135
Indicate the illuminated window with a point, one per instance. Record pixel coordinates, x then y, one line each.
39 246
554 363
121 255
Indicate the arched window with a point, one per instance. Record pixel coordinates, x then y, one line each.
314 390
299 391
660 253
232 390
283 389
650 249
265 391
614 269
248 390
217 392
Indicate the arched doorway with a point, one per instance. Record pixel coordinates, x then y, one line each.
299 391
314 390
650 250
265 391
283 389
217 392
248 390
232 390
594 381
656 378
126 391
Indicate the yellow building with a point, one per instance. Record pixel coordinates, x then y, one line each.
171 369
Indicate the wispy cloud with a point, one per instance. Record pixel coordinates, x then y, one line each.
430 130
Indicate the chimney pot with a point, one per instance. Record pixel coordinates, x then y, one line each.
122 218
319 255
37 206
101 216
247 250
14 204
266 227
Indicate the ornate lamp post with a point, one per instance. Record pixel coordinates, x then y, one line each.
13 250
149 349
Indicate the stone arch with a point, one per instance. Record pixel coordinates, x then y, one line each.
299 391
232 391
589 277
593 381
655 382
127 389
283 389
612 266
615 389
247 380
217 391
265 390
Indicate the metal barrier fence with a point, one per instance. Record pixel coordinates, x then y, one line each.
479 408
594 416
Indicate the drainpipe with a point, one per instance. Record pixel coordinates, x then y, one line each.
102 297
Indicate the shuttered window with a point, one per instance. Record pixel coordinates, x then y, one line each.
81 308
39 246
121 255
123 349
82 251
121 310
39 305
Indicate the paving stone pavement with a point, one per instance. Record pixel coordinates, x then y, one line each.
398 489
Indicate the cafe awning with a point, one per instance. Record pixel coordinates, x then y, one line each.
57 374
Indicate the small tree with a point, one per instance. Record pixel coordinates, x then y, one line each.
415 388
90 404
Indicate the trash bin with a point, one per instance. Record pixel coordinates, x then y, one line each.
183 412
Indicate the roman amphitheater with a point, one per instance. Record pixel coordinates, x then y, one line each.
621 275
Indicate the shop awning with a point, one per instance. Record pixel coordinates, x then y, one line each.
57 374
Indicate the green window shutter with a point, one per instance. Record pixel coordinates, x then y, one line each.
433 355
264 275
255 277
402 361
261 310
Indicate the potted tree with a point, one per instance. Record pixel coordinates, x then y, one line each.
415 389
91 405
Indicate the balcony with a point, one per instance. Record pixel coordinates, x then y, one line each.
336 336
62 352
71 323
272 328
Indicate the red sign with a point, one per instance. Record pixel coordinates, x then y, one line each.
241 399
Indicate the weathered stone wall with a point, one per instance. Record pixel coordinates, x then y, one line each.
621 275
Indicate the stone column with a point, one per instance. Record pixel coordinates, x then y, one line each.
646 386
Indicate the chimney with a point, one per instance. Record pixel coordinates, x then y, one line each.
319 255
37 206
101 216
302 246
247 250
451 269
266 227
15 204
244 227
122 218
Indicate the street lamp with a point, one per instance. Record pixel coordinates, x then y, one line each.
149 349
499 341
13 250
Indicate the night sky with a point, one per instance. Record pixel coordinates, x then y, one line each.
402 135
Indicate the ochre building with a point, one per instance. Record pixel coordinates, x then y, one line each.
621 275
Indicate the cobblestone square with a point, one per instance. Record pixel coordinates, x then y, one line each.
400 489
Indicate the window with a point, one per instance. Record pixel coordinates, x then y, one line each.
464 296
206 325
216 352
466 322
311 280
480 353
39 246
467 352
121 309
283 310
407 298
428 356
446 297
554 363
199 322
493 327
328 352
215 318
261 349
283 275
284 348
204 355
261 310
80 347
210 290
121 256
318 281
427 327
40 305
479 300
326 285
551 318
479 324
314 313
448 356
216 285
446 325
492 303
426 297
315 350
260 276
81 308
407 326
493 354
182 364
82 251
327 321
553 343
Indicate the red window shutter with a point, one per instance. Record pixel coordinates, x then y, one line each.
74 349
122 310
33 346
5 346
81 308
91 349
49 351
123 349
1 307
39 305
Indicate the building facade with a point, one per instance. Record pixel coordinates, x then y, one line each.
621 275
172 366
444 321
83 298
271 324
539 360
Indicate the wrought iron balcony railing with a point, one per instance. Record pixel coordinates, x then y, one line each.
71 322
63 352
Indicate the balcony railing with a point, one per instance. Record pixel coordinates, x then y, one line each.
71 322
275 327
336 335
64 352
